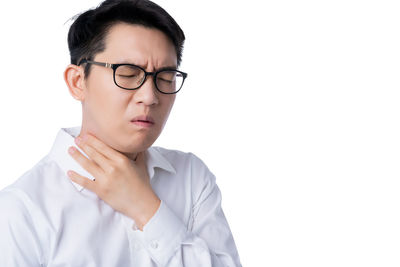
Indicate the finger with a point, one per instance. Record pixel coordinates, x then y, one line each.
86 163
93 154
101 147
81 180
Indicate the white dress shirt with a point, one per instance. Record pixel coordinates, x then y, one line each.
48 220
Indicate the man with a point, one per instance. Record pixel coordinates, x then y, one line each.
113 199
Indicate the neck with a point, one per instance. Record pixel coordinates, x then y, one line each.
131 155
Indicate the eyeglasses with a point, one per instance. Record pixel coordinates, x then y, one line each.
131 77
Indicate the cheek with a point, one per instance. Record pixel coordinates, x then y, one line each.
106 101
167 106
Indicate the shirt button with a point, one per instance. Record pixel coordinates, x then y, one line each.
154 244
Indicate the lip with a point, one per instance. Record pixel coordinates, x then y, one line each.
143 120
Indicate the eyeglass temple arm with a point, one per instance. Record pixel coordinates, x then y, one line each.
107 65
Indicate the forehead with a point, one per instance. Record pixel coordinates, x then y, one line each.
139 44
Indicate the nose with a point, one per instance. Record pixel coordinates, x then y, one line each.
147 93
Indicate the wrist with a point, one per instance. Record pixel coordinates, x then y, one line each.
147 211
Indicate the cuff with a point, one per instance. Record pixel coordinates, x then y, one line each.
162 235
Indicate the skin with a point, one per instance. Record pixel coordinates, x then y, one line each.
114 145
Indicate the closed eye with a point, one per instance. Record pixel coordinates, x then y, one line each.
165 80
127 76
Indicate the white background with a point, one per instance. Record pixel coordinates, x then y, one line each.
294 106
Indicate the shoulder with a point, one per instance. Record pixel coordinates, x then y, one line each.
15 208
191 168
34 184
11 199
24 204
18 201
30 180
16 198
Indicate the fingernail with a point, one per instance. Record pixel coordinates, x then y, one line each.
71 150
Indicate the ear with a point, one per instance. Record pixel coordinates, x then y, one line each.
75 79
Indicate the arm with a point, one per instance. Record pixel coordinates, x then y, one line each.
208 241
19 245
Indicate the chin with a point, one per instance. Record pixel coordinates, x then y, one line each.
135 145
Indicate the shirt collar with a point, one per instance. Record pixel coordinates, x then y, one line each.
65 138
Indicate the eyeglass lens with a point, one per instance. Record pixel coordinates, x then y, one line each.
131 77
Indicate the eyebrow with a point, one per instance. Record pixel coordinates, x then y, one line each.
162 68
169 67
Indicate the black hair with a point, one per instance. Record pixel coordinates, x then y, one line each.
86 36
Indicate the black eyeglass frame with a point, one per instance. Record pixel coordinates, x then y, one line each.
154 74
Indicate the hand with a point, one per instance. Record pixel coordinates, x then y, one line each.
122 183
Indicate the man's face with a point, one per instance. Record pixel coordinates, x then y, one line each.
108 110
